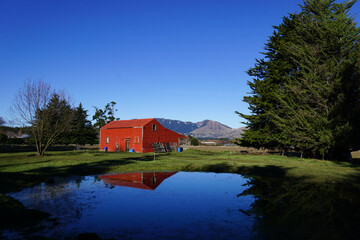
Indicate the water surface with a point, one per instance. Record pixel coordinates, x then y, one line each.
144 206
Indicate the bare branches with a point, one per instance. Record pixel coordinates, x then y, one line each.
48 113
32 97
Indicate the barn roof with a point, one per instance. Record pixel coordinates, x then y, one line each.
128 123
134 123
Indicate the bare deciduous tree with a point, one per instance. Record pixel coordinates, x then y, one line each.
47 112
33 96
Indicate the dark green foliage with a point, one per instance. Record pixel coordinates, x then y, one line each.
306 91
82 128
194 141
15 141
2 121
51 122
102 117
3 138
81 131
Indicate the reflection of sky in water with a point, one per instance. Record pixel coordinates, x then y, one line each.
185 205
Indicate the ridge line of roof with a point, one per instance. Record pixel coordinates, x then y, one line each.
128 123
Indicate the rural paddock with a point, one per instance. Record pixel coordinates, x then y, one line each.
246 150
233 149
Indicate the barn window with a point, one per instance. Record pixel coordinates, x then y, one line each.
136 140
154 127
107 140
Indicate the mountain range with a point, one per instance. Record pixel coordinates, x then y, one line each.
207 129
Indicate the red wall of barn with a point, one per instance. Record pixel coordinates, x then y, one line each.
146 137
161 135
119 136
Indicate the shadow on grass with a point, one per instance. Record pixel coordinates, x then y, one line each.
266 171
22 164
224 167
29 148
62 153
88 168
80 169
217 168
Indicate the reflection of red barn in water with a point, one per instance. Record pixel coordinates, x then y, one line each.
143 180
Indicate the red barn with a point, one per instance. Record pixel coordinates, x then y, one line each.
137 134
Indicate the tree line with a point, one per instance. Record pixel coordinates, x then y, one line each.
305 91
48 117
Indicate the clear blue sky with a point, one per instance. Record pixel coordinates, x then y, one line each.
176 59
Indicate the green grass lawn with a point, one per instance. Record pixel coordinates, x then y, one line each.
94 162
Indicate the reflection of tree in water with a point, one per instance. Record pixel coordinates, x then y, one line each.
58 199
300 209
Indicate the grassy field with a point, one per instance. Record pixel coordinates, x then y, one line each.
94 162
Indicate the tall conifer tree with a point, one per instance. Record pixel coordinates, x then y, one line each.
83 129
305 92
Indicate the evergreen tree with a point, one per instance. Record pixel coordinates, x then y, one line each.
83 131
51 122
46 112
270 75
2 122
306 90
194 141
3 138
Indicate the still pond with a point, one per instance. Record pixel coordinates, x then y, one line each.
184 205
144 205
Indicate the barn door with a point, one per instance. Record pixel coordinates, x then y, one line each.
127 145
117 144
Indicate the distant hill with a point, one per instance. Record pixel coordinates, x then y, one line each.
204 129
